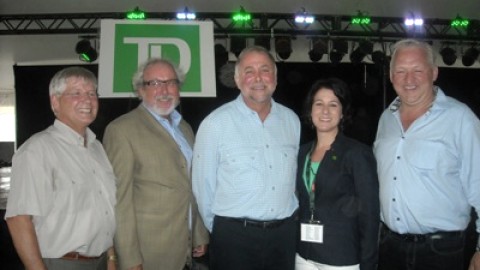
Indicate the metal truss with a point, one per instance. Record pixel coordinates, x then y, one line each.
381 28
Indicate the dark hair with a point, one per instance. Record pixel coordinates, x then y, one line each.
340 90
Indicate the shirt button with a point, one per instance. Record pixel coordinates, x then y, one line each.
398 157
398 219
273 188
393 199
394 178
267 146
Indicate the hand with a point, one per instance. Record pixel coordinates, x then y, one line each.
111 265
475 262
199 251
137 267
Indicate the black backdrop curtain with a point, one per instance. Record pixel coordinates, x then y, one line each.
369 84
33 111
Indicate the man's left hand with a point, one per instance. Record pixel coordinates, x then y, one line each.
475 262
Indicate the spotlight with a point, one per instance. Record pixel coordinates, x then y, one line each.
356 57
470 56
283 47
237 44
186 15
136 14
361 19
242 16
339 49
221 56
413 21
85 51
263 41
302 17
449 56
459 22
364 47
379 58
319 48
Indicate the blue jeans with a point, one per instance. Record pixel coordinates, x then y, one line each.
443 252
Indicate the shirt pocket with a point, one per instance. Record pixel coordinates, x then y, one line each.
289 163
242 168
423 154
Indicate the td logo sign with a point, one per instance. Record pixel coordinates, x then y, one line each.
127 44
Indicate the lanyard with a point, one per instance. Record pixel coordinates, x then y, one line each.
310 172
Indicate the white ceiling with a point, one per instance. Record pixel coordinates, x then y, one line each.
442 9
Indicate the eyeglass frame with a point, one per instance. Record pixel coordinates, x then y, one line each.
161 83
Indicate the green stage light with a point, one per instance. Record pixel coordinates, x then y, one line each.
242 16
361 19
136 14
459 22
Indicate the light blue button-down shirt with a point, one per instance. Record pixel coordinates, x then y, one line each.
174 131
243 167
429 174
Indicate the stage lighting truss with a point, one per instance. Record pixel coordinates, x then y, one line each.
385 28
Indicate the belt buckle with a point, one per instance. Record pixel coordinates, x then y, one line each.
265 224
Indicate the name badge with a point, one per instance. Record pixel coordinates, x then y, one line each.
311 232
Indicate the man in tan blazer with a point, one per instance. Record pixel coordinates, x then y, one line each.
150 148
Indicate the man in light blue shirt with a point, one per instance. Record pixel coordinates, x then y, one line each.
244 165
427 150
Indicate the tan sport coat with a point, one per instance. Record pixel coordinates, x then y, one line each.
154 193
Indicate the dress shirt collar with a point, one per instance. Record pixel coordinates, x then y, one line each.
242 106
175 116
71 136
395 105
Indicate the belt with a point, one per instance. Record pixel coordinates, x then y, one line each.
78 256
419 238
256 223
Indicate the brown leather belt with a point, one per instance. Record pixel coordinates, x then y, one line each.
78 256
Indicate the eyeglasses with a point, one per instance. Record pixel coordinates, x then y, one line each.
78 95
160 83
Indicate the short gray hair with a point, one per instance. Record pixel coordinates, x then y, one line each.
410 42
137 80
257 49
58 83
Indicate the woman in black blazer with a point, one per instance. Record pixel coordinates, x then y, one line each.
337 188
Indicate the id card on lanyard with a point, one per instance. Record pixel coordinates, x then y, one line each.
311 231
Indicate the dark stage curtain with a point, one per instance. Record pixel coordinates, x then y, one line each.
369 84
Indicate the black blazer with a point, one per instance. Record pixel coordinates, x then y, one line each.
346 202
